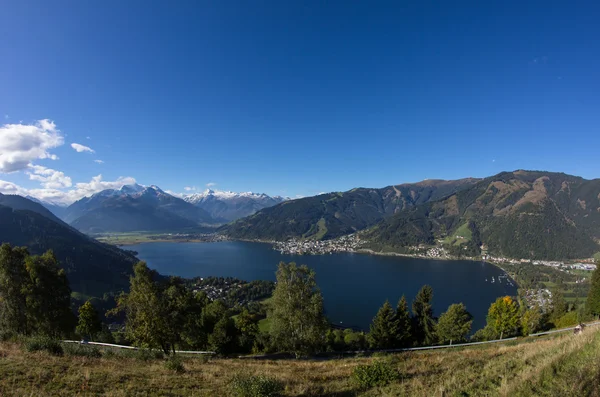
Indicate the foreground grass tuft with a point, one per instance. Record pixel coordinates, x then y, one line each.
255 386
379 373
43 343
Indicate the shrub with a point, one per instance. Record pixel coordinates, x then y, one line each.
255 386
175 364
75 349
6 335
147 354
379 373
43 343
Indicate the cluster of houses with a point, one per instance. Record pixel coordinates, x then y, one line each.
216 291
349 243
541 298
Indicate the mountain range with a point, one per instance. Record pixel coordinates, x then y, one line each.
229 206
133 208
332 215
149 208
521 214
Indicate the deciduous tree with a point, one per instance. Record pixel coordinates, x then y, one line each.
298 324
503 317
89 324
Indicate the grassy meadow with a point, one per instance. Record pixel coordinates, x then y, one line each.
565 365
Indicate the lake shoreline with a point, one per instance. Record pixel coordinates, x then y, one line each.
362 251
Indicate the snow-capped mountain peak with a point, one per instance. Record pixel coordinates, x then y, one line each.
227 205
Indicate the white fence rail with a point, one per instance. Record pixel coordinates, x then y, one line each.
351 352
131 347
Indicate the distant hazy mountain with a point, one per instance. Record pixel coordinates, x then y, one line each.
335 214
134 208
58 210
521 214
229 206
92 267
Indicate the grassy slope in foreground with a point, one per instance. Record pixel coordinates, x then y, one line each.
561 366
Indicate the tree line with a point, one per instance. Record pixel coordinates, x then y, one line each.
164 313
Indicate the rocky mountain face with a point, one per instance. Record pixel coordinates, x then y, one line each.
229 206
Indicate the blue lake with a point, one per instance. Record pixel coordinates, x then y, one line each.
354 286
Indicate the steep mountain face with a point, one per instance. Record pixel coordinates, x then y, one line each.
229 206
521 214
58 210
93 268
134 208
335 214
22 203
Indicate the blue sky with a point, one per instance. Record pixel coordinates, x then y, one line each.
294 97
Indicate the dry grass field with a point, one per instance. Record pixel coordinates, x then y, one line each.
565 365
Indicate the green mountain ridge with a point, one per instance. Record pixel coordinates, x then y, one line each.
521 214
93 268
332 215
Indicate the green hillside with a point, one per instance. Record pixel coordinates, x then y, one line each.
332 215
93 268
522 214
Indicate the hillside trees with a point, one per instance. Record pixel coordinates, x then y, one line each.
34 294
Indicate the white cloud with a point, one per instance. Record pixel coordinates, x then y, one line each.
10 188
175 194
81 148
189 188
99 161
49 178
65 197
211 184
87 137
6 116
20 144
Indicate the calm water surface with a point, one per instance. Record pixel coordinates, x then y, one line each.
354 286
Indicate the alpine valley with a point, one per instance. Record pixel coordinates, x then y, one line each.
521 214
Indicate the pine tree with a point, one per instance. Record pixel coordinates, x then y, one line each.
89 324
455 324
593 299
298 324
384 328
403 323
423 321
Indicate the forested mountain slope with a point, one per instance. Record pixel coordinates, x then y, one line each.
335 214
521 214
